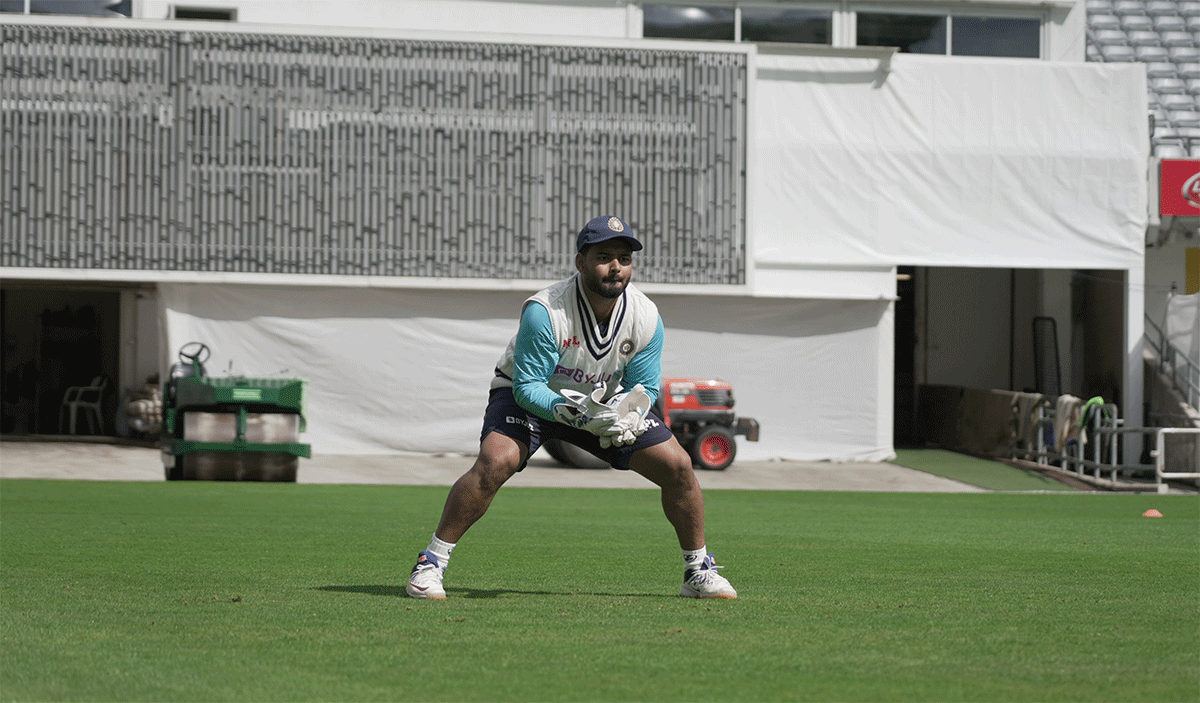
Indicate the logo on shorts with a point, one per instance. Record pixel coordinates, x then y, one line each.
626 347
518 421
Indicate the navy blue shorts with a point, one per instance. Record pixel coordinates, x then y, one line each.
505 416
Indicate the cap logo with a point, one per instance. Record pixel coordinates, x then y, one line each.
615 225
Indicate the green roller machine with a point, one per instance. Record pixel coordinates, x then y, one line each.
230 429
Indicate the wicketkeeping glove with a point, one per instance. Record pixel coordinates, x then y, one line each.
586 412
631 409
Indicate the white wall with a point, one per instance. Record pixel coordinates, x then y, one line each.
588 19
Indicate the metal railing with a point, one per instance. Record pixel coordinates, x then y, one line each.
1174 363
1098 451
1160 457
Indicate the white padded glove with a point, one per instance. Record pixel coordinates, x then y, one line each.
631 409
587 412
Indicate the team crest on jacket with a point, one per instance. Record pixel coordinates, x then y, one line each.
626 347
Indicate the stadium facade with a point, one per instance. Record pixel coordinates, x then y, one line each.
362 193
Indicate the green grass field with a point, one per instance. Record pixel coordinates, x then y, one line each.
281 592
991 475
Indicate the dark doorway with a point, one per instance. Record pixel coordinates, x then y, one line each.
55 338
904 369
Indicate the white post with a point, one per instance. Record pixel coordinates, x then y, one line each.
1131 405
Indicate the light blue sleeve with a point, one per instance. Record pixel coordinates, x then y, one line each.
646 366
535 356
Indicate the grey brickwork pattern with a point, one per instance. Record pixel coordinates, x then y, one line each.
152 150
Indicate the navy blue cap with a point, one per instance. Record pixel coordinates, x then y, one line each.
604 228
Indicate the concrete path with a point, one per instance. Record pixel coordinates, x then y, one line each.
89 461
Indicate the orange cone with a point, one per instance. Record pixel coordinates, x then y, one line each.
1151 513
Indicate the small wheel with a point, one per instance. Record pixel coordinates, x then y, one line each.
196 352
273 466
174 470
713 448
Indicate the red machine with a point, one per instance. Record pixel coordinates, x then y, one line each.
700 414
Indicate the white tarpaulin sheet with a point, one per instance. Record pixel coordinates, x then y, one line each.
391 370
949 162
1182 324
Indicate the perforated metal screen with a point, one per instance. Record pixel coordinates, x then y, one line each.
236 152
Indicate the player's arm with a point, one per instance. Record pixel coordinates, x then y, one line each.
535 357
646 366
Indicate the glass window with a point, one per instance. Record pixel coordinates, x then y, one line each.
773 24
665 21
996 36
913 34
216 14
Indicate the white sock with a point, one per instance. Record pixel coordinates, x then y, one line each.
693 558
441 550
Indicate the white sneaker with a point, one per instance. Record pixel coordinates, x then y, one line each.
704 582
426 578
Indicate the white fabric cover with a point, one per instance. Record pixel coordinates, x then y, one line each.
949 162
1182 324
393 370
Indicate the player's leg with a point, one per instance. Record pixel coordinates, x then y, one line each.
504 447
500 457
669 467
470 497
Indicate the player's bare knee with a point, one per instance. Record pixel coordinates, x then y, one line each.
670 470
492 469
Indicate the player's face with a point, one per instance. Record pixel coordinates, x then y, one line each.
605 268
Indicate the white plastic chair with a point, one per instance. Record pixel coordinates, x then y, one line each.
1169 23
1184 118
1136 23
1178 101
85 398
1181 39
1145 37
1110 37
1129 7
1152 54
1118 53
1158 8
1169 150
1184 54
1168 86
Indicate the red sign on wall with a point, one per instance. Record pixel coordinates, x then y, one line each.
1179 187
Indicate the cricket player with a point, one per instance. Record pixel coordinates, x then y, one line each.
584 367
